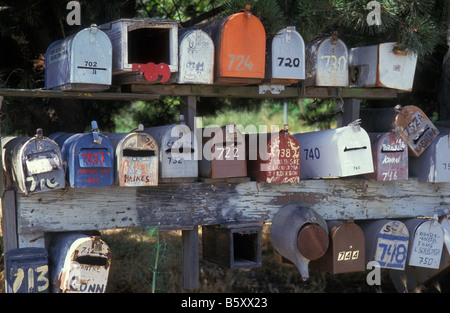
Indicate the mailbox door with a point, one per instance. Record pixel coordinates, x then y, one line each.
363 66
287 57
196 58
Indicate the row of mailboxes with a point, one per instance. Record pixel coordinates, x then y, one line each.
231 50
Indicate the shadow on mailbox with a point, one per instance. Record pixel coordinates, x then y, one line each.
79 62
33 164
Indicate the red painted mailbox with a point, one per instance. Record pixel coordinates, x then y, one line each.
279 162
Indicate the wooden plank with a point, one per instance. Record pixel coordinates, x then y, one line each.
181 206
190 259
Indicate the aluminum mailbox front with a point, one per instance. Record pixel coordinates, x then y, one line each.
82 61
285 62
34 164
340 152
382 65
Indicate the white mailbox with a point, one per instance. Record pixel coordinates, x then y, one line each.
433 165
382 65
196 57
79 62
340 152
286 57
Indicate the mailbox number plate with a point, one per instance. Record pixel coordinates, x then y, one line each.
95 158
392 247
29 279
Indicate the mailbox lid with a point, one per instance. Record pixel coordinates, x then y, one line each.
196 57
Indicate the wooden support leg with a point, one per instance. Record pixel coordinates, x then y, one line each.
351 107
9 221
190 262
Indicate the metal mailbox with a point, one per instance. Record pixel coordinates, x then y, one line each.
177 162
300 235
223 153
433 165
34 164
382 65
78 263
273 158
409 121
136 158
80 62
196 57
147 45
327 62
240 48
340 152
26 270
390 157
285 62
234 246
346 252
386 243
89 159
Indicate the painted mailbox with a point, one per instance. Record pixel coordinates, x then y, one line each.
382 65
80 62
390 157
196 57
136 158
340 152
273 158
34 164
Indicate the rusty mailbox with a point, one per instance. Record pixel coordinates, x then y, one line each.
433 165
386 243
285 62
300 235
383 65
390 157
177 162
340 152
78 263
346 252
234 246
240 48
327 62
82 61
148 46
409 121
196 57
89 159
273 157
223 153
33 164
136 158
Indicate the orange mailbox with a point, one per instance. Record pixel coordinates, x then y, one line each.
240 48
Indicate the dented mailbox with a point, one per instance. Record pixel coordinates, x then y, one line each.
136 158
79 62
273 157
390 157
240 48
196 57
177 160
285 62
78 263
382 65
327 62
341 152
223 153
34 164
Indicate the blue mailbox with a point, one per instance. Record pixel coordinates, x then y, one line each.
89 159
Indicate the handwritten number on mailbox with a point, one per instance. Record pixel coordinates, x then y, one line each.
334 64
241 63
42 279
393 254
94 158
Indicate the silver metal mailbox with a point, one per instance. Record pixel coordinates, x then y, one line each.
78 263
433 165
196 57
327 62
340 152
177 161
79 62
286 57
382 65
136 158
141 41
34 164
